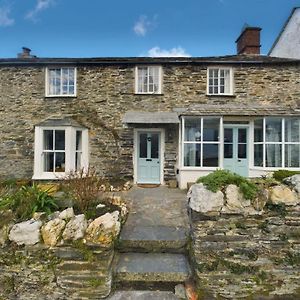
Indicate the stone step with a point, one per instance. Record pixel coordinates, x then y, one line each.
143 295
151 269
153 239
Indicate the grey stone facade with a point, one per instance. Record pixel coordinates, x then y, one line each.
105 91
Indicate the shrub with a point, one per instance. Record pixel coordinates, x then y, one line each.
84 188
220 179
27 200
281 174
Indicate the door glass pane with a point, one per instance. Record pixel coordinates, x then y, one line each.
258 155
143 145
211 129
59 140
59 162
78 140
258 130
192 130
273 155
154 145
48 161
192 154
292 156
242 150
273 129
48 139
292 130
228 135
242 135
228 153
210 155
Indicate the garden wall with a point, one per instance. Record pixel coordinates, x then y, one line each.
254 257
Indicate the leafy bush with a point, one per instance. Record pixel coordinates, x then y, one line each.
27 200
220 179
84 187
281 174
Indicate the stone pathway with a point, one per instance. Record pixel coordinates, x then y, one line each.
152 244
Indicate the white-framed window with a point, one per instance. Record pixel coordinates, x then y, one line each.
277 142
61 82
201 141
148 80
59 150
220 81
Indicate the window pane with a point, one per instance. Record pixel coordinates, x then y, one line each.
154 146
78 140
273 130
242 135
227 81
48 139
258 130
59 140
211 129
192 130
242 150
292 156
292 130
192 154
143 145
59 162
258 155
228 152
273 155
48 161
228 135
210 155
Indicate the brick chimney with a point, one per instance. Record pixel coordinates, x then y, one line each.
25 53
249 41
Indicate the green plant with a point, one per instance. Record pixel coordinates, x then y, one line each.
279 208
220 179
279 175
27 200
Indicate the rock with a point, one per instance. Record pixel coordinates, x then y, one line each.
39 216
260 201
26 233
54 215
235 199
104 229
67 214
116 200
100 205
51 232
293 181
180 292
282 194
75 229
203 200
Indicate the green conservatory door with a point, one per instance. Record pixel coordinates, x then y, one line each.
148 157
236 154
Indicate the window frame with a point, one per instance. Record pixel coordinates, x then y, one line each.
47 85
231 81
70 151
136 80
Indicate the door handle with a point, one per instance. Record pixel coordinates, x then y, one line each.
148 159
239 160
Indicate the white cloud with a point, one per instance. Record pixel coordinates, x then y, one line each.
5 19
144 24
40 6
174 52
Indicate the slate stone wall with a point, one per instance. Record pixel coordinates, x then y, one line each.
237 257
105 93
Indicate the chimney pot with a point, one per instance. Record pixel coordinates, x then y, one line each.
25 53
249 41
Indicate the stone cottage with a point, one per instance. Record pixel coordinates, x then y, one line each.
152 119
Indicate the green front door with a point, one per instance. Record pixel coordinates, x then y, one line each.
236 149
148 157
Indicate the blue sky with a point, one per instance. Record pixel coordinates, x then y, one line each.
100 28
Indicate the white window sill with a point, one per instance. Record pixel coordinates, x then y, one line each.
198 168
49 176
226 95
61 96
148 93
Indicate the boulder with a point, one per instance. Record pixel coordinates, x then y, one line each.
40 216
282 194
26 233
261 200
204 201
294 182
104 229
76 228
51 231
67 214
235 200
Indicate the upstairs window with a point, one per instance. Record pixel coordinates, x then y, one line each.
220 81
60 82
148 80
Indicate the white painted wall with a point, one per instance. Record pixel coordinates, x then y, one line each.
288 45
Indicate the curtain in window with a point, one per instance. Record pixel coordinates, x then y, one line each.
273 138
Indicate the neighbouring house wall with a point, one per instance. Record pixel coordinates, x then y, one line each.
105 93
254 257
